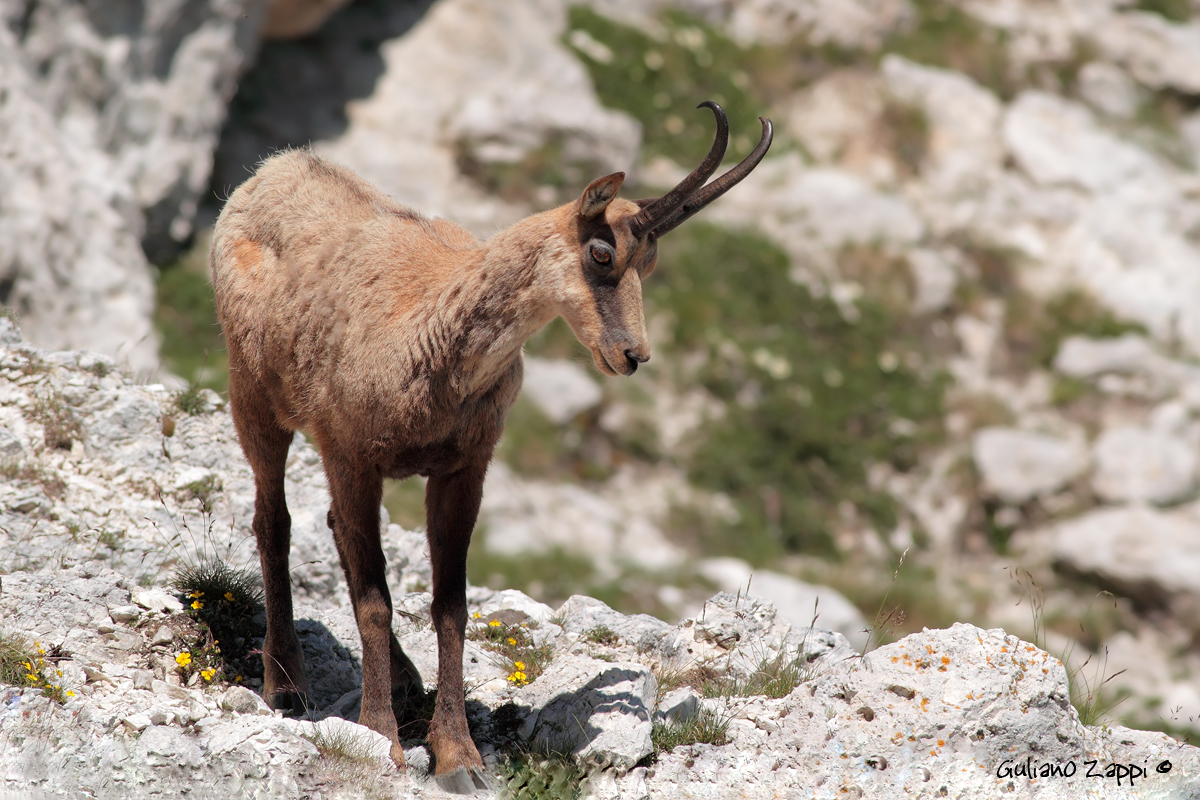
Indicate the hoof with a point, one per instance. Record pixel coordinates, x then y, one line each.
464 780
291 703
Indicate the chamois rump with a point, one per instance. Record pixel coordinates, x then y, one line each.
395 341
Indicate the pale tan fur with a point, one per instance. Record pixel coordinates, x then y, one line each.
395 341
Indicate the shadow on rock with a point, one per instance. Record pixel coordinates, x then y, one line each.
297 90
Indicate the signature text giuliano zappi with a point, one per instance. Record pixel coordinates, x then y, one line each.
1032 768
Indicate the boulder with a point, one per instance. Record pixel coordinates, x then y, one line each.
561 389
1158 53
1136 464
1150 555
1016 465
598 711
489 85
795 600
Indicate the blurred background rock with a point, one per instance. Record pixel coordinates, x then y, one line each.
936 360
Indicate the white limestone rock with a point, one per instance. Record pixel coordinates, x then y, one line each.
795 600
1160 54
1017 465
599 711
560 389
1143 552
1136 464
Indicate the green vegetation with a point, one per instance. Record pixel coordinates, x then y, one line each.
59 425
540 776
222 601
1173 10
23 664
706 726
17 658
191 400
602 634
810 396
514 647
186 319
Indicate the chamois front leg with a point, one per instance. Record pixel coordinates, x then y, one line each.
355 489
451 506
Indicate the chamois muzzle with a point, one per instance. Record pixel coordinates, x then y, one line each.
662 215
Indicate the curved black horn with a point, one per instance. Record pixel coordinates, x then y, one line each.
721 185
657 210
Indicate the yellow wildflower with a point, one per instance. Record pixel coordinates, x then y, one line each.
229 596
31 678
196 594
196 604
29 666
69 693
41 652
183 659
208 674
519 665
477 615
511 640
519 678
494 623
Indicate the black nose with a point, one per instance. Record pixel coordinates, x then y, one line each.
634 359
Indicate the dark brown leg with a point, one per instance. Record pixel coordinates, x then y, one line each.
451 506
406 680
356 489
266 446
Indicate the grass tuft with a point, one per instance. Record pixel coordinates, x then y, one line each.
706 726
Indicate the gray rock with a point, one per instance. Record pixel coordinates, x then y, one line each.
580 614
1143 465
965 148
1126 549
463 82
1108 89
241 700
1158 53
68 236
1057 142
1018 465
678 706
795 600
597 710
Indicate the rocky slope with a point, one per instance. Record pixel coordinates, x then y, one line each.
103 475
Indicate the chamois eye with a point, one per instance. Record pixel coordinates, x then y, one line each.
602 255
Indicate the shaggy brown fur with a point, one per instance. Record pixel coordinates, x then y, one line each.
395 341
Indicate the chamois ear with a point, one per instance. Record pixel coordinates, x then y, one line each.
599 194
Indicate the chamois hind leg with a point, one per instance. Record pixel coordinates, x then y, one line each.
266 447
451 506
356 489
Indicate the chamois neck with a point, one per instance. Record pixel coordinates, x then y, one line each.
512 296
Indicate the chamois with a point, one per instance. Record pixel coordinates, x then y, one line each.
395 341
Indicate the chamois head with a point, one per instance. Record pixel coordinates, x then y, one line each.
617 244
